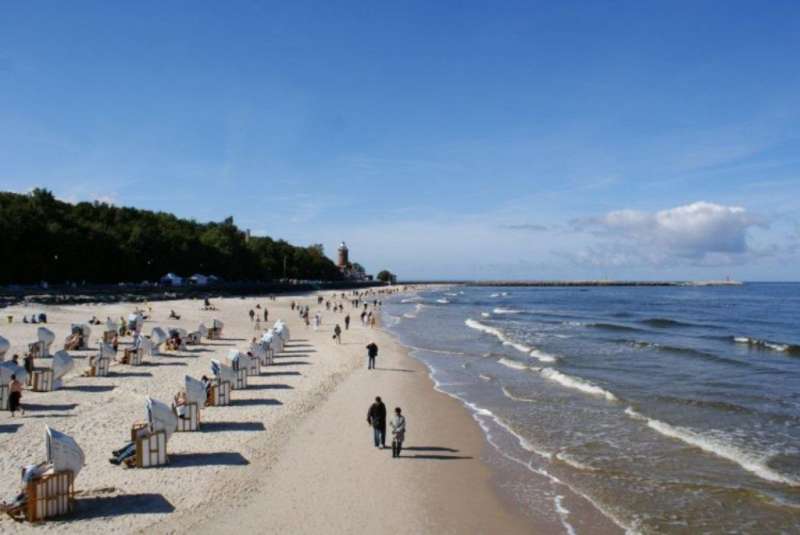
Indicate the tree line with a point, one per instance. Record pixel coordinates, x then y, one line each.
44 239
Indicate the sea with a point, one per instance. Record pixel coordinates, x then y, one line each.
667 409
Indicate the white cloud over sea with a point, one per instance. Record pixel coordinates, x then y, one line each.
701 233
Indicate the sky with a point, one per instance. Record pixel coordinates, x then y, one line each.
440 140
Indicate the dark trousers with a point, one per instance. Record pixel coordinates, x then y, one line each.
397 446
379 435
371 363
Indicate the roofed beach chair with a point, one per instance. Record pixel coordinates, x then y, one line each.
46 338
157 338
240 364
78 340
215 331
49 379
148 445
188 404
48 488
224 377
99 364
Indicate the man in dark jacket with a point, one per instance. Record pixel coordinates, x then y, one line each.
376 417
372 352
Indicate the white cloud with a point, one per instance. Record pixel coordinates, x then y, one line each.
701 233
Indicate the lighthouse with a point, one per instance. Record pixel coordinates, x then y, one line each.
344 261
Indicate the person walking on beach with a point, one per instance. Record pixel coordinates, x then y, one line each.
376 417
347 322
337 334
252 314
15 396
372 352
266 314
398 431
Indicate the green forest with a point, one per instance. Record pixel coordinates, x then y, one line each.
44 239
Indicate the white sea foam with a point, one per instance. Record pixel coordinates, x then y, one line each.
443 301
542 356
508 363
756 464
501 310
563 513
576 383
411 299
495 295
486 315
764 344
452 294
566 458
511 396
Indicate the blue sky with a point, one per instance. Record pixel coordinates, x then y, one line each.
440 139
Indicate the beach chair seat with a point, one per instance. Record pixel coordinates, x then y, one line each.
220 394
42 380
151 447
5 391
133 357
241 379
254 370
50 495
191 421
99 368
193 339
213 333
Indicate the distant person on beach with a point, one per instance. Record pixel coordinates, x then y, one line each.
173 315
252 314
347 322
266 314
372 352
398 424
337 334
28 363
15 396
376 417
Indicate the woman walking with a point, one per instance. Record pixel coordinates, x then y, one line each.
398 424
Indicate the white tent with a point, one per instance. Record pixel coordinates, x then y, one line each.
195 391
161 417
223 371
62 365
46 337
63 452
4 346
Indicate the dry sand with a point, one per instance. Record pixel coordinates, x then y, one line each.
292 454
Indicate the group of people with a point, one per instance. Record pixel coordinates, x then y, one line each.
376 418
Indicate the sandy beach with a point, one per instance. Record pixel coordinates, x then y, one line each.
293 453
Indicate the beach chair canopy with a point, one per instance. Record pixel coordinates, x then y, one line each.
223 371
239 360
45 336
161 417
135 320
82 328
63 452
4 346
146 345
203 330
195 391
8 368
62 365
182 334
158 336
281 330
217 324
258 349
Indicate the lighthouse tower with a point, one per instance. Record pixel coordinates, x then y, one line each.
343 256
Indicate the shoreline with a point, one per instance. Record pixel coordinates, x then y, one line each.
254 464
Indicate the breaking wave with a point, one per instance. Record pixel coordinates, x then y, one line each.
576 383
718 446
767 345
501 310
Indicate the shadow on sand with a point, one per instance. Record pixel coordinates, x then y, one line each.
395 370
219 458
248 402
90 388
431 456
9 428
215 427
273 386
125 504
